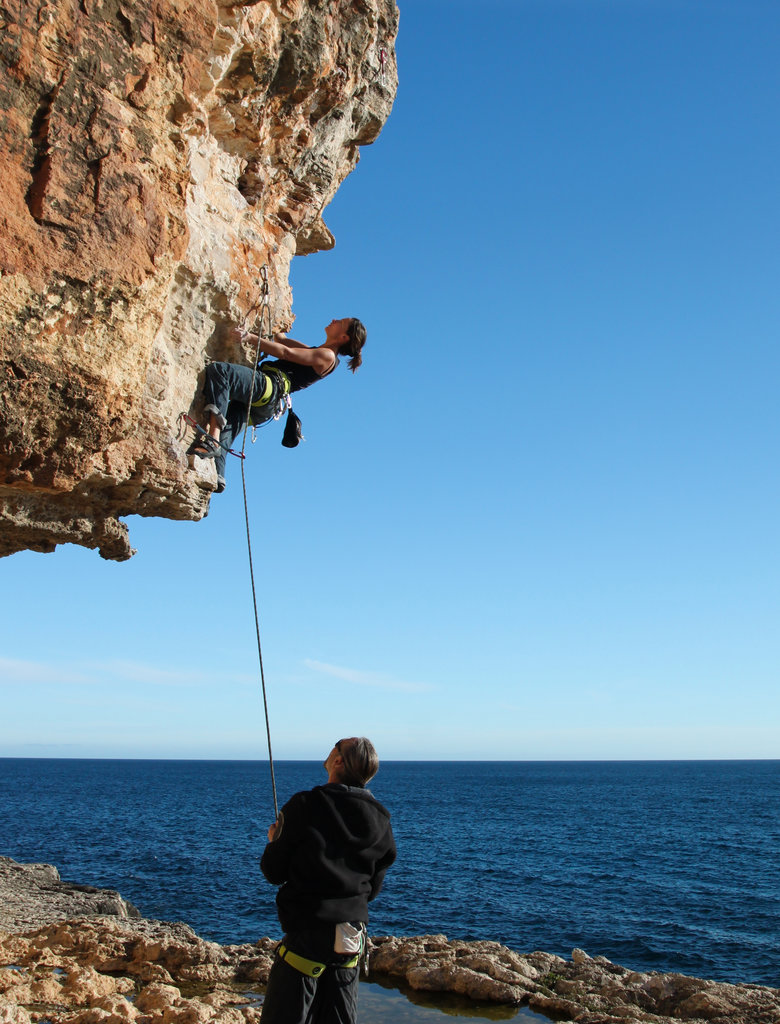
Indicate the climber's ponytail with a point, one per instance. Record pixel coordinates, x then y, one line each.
356 333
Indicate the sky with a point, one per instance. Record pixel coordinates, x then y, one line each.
541 522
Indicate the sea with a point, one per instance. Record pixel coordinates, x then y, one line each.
657 865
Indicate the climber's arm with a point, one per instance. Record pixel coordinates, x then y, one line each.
281 337
281 347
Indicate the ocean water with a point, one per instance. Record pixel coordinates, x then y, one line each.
668 866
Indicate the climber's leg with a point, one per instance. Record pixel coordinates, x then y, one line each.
225 383
235 421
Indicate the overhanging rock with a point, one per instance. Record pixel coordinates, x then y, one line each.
154 158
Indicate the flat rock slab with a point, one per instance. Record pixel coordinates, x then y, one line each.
32 895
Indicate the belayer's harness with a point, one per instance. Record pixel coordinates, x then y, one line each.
312 968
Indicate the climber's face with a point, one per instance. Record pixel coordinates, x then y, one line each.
338 328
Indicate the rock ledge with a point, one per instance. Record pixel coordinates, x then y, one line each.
104 964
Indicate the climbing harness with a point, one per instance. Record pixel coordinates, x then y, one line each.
276 391
265 313
312 968
268 390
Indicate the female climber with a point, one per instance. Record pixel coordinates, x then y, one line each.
228 388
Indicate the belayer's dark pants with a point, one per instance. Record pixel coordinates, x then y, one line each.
294 998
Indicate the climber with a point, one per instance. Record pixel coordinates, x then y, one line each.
295 366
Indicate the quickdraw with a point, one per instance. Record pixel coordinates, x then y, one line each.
259 307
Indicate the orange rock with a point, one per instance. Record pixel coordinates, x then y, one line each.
153 158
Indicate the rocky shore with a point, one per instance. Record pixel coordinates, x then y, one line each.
72 954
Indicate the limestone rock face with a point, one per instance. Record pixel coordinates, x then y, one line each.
154 157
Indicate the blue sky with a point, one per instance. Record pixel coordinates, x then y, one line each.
541 522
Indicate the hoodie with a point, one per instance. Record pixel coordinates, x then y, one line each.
331 856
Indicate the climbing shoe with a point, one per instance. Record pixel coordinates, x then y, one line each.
204 447
220 484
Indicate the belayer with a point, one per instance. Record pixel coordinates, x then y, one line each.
294 366
328 851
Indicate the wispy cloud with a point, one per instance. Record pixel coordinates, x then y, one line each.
378 680
139 672
14 670
95 673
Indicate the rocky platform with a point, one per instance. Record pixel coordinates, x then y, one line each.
71 954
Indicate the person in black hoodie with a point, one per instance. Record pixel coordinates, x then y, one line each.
329 851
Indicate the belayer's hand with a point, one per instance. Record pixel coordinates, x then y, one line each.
275 830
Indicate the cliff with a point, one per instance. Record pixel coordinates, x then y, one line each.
154 157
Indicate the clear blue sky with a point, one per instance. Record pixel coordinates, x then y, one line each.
542 520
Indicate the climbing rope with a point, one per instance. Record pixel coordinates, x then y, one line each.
262 309
264 314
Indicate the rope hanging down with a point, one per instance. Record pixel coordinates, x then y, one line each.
264 314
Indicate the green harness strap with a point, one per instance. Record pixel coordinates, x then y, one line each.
310 967
268 387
